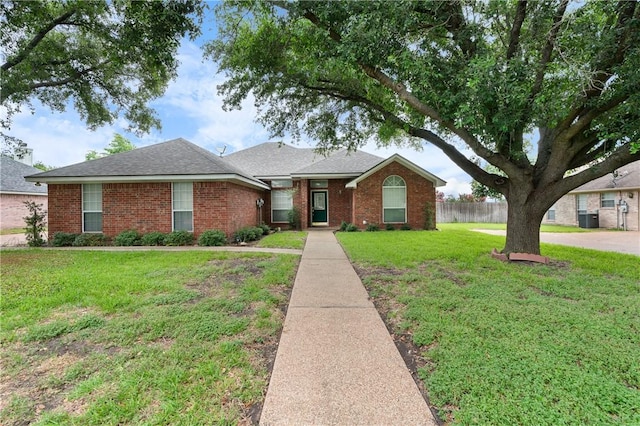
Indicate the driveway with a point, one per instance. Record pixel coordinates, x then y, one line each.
617 241
13 240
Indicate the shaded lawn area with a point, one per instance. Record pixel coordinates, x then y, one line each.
101 338
506 344
503 227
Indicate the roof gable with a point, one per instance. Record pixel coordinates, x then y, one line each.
403 161
12 177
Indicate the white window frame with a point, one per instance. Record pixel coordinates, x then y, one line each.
583 198
87 189
608 197
551 212
385 187
181 187
319 184
282 183
281 193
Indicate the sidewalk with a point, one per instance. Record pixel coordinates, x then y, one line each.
336 362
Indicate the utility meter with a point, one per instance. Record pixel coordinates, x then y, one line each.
624 207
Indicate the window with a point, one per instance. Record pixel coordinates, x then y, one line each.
281 204
182 200
551 213
282 183
581 201
608 199
319 183
394 200
92 207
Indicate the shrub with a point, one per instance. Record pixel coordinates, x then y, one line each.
294 218
343 226
373 227
429 217
63 239
90 240
247 234
265 228
36 222
405 227
389 227
178 238
128 238
153 239
212 237
351 228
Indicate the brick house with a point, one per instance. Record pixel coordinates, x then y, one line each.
614 198
177 185
14 191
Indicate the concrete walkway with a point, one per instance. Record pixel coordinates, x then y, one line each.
336 362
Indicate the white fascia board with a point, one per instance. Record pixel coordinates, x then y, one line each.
599 190
326 176
150 178
34 194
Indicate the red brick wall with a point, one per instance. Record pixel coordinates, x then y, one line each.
338 203
368 197
13 210
145 207
65 208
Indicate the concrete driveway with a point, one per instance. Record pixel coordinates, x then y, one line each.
617 241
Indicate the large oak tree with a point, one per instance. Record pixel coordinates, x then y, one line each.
108 57
457 74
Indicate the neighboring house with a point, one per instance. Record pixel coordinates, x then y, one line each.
613 199
14 191
177 185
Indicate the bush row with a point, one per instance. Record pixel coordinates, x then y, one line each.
250 233
211 237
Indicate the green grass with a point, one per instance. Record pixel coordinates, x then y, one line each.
138 337
506 344
503 227
284 239
11 231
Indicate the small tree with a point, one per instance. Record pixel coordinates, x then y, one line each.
36 222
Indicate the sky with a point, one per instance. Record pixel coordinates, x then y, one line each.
191 109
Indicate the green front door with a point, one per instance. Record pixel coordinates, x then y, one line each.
318 206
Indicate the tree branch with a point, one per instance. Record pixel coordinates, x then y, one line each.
40 35
521 13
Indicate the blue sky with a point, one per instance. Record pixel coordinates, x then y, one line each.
191 109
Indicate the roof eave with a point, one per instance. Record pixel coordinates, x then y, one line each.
147 178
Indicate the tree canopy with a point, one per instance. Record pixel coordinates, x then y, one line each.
118 144
456 74
107 57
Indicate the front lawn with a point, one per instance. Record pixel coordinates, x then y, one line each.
506 344
284 239
503 227
105 338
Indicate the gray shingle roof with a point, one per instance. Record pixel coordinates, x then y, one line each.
177 157
628 178
12 177
272 159
342 162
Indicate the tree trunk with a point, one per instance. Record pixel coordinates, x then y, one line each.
523 227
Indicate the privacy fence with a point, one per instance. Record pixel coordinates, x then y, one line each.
471 212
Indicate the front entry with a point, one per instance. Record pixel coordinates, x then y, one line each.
319 208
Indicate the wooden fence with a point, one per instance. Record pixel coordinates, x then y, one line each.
471 212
